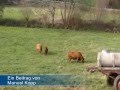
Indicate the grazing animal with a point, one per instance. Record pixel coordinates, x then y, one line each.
38 48
46 50
75 56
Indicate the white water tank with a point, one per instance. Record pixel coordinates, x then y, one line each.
108 59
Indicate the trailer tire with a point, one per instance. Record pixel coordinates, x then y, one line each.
110 81
117 83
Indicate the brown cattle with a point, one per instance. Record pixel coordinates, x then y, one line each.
75 56
46 50
38 48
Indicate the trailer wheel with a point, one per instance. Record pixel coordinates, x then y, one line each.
110 81
117 83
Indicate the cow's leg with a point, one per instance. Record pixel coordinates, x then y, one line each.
82 60
69 60
78 59
36 51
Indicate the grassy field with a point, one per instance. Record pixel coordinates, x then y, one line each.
18 56
16 13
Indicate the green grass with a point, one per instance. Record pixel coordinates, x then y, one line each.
18 56
17 13
88 2
12 13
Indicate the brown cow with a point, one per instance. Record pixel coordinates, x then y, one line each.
75 56
46 50
38 48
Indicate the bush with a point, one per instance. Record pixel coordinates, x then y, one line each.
23 23
73 23
34 23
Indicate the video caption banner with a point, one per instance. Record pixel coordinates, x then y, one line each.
41 80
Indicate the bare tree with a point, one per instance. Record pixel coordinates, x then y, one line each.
67 9
70 11
26 10
100 8
52 10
